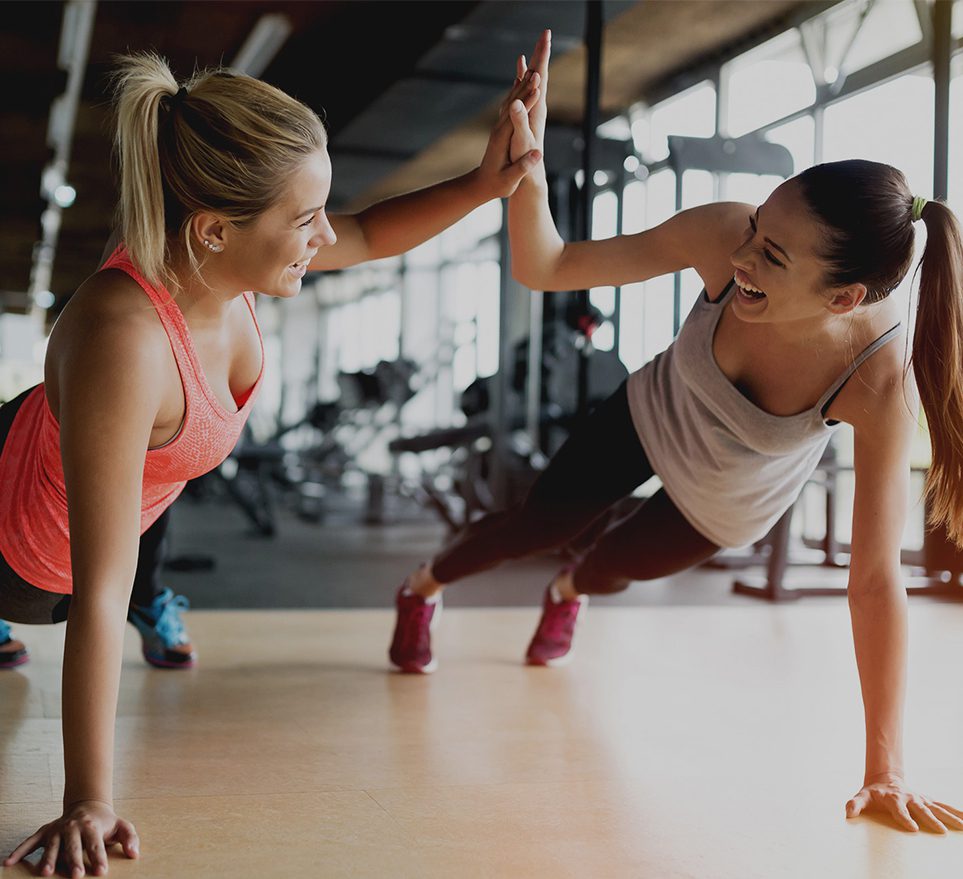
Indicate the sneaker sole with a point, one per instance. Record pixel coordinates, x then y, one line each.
558 662
23 660
417 669
163 663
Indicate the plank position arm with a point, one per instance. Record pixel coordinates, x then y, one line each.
106 413
884 421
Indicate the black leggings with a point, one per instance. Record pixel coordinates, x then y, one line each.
601 463
22 602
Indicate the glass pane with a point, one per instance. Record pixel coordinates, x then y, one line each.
605 214
890 26
863 127
488 281
696 188
750 188
603 298
631 319
604 337
956 132
767 83
633 208
799 138
692 113
657 315
660 205
467 232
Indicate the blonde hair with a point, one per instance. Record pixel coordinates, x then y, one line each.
224 143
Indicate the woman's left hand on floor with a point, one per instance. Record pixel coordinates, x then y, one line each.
911 811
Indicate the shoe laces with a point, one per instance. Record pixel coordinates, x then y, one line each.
4 632
165 610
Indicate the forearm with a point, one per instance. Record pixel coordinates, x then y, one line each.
398 224
880 637
91 678
536 245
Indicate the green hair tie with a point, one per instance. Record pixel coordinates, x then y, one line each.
918 204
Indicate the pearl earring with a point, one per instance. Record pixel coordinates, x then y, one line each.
213 248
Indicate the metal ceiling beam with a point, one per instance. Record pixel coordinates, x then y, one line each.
75 33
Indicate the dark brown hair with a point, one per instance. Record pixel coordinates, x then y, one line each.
866 209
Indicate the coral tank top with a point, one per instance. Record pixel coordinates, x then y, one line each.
34 535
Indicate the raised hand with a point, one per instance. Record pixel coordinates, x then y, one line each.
537 112
910 811
85 827
499 172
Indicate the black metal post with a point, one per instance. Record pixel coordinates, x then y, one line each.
590 123
942 51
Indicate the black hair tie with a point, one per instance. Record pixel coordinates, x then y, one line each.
178 99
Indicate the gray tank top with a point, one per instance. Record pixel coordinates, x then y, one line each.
730 467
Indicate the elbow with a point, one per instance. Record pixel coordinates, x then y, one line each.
881 589
525 276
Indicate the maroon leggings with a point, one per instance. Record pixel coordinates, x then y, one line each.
600 464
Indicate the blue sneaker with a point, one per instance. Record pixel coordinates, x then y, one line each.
12 652
165 641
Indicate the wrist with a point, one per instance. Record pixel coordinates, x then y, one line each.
86 802
479 186
534 184
882 776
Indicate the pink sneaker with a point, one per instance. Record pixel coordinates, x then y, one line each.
411 643
552 642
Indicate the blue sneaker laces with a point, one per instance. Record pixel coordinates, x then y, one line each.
165 614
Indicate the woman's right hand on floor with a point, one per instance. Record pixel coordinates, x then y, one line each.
88 826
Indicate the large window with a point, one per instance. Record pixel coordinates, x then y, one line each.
766 84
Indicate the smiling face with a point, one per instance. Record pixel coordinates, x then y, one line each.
778 273
270 255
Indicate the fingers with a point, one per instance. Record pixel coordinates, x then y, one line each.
514 173
94 846
523 140
902 816
125 834
48 863
520 68
951 809
925 818
948 818
30 844
524 90
543 51
532 99
856 804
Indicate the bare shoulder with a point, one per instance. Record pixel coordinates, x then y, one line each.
109 308
881 398
108 332
715 231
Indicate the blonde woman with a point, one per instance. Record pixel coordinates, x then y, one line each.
734 416
154 365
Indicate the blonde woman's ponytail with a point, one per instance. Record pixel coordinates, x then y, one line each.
141 84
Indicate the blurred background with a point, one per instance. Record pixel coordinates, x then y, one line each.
406 397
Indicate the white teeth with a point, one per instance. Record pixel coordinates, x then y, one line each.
750 288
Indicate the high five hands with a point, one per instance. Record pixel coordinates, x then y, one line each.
515 143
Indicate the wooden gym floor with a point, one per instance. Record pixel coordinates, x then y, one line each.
704 742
